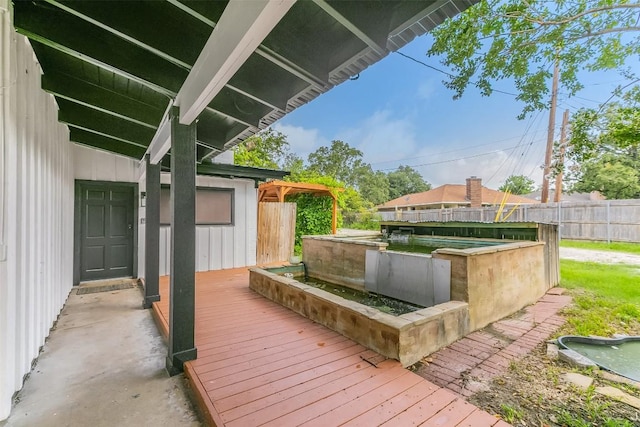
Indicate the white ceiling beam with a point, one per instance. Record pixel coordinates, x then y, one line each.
241 29
266 53
161 142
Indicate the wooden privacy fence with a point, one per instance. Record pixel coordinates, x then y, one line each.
276 232
605 220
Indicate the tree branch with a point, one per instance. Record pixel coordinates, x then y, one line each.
607 31
616 93
574 17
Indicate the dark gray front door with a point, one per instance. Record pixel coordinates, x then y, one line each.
106 231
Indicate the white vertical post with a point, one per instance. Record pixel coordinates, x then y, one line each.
560 220
608 221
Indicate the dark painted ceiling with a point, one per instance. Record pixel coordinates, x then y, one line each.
113 66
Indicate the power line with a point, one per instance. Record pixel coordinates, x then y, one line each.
522 160
531 123
454 160
449 151
448 74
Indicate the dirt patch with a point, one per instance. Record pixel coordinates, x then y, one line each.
603 257
532 393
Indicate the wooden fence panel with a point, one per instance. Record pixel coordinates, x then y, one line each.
276 232
548 233
605 220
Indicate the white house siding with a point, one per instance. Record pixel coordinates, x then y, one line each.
219 246
36 211
98 165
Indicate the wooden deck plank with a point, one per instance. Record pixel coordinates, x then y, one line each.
423 410
377 395
289 388
274 335
279 344
272 355
230 385
304 399
451 415
275 362
239 343
305 413
392 407
224 350
262 363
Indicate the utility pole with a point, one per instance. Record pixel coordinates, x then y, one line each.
544 197
563 137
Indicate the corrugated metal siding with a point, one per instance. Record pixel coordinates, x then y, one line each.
36 211
217 246
97 165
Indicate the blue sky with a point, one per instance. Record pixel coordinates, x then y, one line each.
399 112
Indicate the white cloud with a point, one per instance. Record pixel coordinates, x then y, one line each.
484 162
426 89
382 137
302 140
389 140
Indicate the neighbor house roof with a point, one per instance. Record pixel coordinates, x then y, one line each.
453 194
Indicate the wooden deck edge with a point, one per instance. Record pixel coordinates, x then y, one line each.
209 412
161 322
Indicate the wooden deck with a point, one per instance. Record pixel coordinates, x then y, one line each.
262 364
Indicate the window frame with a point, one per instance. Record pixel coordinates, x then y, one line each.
232 204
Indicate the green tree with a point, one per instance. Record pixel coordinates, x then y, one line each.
520 40
615 176
373 186
406 180
518 184
268 149
349 200
605 148
340 161
344 163
612 128
314 214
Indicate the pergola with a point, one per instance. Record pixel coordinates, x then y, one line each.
276 191
173 83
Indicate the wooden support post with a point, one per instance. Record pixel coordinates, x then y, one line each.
183 245
152 235
334 217
544 196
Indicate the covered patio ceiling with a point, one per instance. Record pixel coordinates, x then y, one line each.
114 67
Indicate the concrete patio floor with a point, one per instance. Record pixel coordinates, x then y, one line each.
103 365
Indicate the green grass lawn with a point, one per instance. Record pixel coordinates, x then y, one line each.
611 281
606 297
631 248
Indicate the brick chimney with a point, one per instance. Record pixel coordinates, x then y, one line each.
474 191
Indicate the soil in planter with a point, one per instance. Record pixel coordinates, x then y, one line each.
385 304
